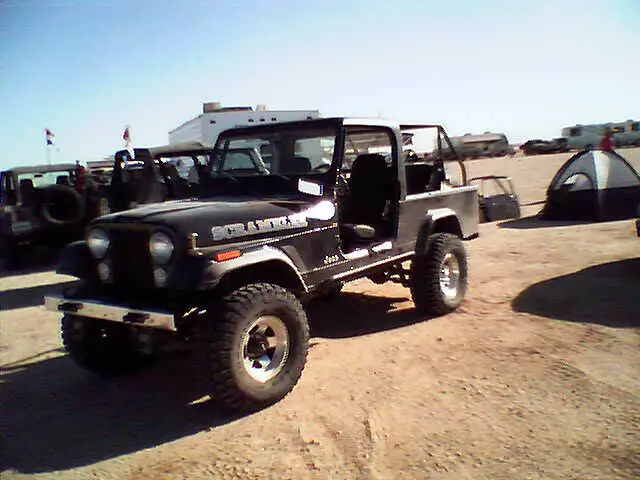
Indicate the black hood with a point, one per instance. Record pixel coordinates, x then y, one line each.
197 216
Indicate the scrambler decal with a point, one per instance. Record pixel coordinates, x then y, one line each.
234 230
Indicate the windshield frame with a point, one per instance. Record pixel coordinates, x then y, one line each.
331 127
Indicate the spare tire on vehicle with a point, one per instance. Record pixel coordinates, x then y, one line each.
61 205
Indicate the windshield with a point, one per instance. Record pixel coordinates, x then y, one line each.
283 152
44 179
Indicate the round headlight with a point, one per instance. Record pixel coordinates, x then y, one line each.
98 242
161 248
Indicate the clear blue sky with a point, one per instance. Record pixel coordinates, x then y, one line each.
85 69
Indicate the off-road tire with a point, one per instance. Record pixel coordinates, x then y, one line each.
102 347
231 384
55 194
426 290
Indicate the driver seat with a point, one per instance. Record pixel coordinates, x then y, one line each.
370 187
295 165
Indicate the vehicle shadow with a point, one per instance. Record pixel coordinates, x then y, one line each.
40 268
354 314
30 296
56 416
534 221
607 294
36 260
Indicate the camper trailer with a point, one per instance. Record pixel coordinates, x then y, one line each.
580 137
215 118
484 145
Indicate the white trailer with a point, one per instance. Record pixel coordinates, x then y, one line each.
214 119
625 134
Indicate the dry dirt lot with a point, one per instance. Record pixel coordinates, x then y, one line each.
536 377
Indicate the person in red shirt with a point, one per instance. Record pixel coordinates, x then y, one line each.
606 144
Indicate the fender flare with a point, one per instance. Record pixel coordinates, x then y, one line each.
216 271
426 228
76 261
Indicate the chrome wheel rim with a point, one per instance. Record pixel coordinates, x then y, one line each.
265 348
450 276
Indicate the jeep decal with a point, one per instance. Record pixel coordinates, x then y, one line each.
234 230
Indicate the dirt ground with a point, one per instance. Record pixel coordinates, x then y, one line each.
537 376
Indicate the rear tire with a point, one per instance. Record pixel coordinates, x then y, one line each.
257 347
102 347
439 277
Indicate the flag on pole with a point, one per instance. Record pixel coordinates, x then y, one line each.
49 136
126 136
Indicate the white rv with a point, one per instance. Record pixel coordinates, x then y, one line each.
579 137
214 119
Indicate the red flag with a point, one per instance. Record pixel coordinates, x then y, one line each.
125 136
49 136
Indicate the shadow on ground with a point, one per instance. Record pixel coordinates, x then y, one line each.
607 294
534 221
30 296
354 314
34 260
13 272
56 416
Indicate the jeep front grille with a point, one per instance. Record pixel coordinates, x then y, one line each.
131 261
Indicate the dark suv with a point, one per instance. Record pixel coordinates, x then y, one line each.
46 205
230 268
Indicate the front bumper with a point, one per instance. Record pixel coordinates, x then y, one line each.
113 313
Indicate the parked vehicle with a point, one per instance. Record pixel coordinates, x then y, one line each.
584 137
229 270
537 146
152 175
44 205
479 146
214 119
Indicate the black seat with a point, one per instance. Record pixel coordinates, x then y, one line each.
370 187
28 194
295 165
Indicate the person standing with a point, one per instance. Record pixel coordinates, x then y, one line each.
607 144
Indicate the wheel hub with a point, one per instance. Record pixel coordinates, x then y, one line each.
265 348
449 276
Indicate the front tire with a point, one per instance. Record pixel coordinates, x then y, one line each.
101 347
439 277
258 346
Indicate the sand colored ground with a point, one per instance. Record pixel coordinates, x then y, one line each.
537 376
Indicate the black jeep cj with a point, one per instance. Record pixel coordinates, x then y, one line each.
232 266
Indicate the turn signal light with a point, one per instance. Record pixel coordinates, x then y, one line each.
224 256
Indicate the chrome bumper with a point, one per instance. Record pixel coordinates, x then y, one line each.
112 313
